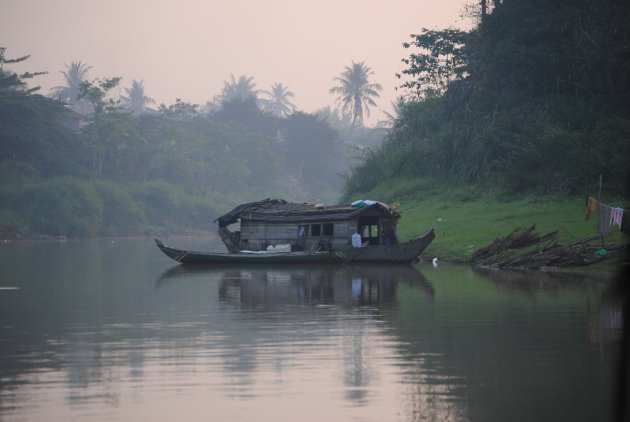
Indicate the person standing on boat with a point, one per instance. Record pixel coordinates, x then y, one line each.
389 234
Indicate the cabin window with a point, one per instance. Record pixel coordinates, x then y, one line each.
368 228
326 229
303 230
369 231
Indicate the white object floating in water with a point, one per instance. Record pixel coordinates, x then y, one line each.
9 288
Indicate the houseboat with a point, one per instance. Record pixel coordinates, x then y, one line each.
273 222
276 231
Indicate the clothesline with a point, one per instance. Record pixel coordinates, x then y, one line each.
607 216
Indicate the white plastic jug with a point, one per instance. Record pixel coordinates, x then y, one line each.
356 240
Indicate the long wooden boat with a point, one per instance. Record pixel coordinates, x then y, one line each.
193 257
394 253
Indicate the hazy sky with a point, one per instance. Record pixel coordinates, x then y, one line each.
187 48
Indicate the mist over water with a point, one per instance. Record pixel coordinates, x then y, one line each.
113 330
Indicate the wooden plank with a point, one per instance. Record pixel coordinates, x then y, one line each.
252 231
281 231
341 230
341 243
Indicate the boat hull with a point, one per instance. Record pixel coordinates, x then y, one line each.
396 253
192 257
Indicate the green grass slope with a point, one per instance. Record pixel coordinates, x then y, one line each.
468 218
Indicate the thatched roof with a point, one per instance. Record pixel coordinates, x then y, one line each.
278 210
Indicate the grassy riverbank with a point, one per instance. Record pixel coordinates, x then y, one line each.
468 219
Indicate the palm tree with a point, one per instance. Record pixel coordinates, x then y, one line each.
244 88
75 73
278 102
355 92
135 100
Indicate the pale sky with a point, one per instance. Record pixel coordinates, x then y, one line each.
187 48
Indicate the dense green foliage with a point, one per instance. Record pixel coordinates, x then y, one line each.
118 173
442 58
312 152
535 102
129 173
32 130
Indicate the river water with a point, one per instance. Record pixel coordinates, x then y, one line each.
112 330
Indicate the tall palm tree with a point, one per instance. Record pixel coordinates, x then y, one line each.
135 100
355 92
278 102
75 73
244 88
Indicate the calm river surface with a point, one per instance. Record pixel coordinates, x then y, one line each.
97 330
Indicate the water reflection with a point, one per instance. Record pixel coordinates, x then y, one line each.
530 282
604 317
350 285
362 293
143 340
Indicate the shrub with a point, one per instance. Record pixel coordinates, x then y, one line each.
13 173
61 206
121 215
159 201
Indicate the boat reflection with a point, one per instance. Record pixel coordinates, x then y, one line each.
348 285
346 301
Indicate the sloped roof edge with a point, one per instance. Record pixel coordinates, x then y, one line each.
278 210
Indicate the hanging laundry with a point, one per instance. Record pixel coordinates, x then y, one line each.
603 219
616 216
591 206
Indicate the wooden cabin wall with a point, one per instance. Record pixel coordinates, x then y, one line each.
258 235
281 232
252 235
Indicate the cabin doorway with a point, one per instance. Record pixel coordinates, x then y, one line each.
368 228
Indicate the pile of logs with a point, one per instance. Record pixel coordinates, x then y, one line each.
518 239
546 252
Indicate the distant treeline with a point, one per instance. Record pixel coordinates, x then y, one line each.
116 173
534 99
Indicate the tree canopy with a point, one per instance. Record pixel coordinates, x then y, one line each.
243 88
136 100
277 101
534 99
112 172
355 93
75 73
440 59
10 81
